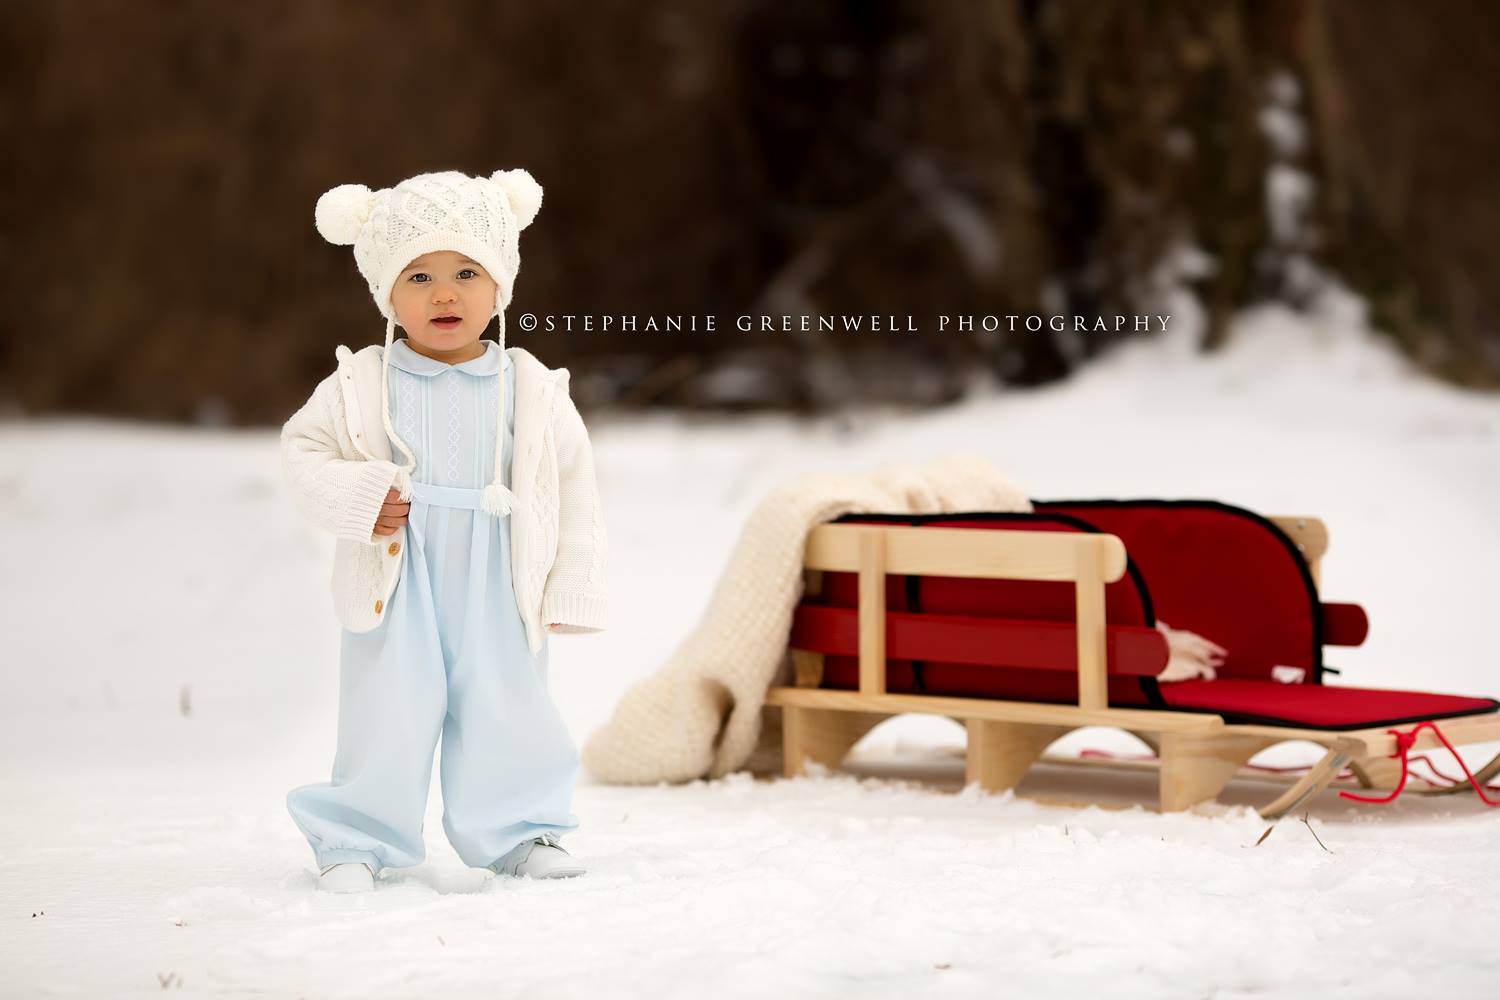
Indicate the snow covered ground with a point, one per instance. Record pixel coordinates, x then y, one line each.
170 671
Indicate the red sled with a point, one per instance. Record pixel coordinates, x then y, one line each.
1025 626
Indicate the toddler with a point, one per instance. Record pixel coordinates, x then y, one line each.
452 555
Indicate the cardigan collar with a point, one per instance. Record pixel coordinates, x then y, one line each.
408 360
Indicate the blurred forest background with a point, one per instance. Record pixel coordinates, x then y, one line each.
1010 157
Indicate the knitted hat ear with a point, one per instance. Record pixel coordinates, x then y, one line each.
522 191
342 212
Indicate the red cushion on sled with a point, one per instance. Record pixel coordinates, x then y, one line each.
1317 706
1221 571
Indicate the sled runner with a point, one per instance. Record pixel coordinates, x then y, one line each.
1026 626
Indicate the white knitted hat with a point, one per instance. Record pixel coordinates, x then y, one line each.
481 217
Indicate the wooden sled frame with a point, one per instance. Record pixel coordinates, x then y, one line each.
1199 752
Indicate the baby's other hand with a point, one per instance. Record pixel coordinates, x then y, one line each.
392 513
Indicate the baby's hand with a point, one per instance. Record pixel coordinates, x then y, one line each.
392 513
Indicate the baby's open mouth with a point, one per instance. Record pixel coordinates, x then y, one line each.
447 321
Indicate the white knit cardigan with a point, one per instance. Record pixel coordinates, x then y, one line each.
336 457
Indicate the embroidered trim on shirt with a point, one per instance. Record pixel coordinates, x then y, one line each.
453 429
406 384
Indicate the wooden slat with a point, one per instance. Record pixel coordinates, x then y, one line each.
999 753
872 570
825 737
1310 535
966 552
1195 767
1322 774
985 708
1092 655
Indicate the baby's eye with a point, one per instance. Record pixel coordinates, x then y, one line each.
424 274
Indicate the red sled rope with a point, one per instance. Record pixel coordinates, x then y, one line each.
1443 775
1404 743
1408 738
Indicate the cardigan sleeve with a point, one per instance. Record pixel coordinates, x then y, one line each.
574 595
340 495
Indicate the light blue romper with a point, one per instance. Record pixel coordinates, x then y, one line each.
449 658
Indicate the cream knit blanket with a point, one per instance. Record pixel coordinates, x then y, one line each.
699 714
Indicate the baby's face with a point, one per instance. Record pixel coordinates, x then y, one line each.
443 283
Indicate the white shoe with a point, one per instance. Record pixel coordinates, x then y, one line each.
539 857
347 877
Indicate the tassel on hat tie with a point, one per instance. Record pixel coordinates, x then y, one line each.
402 484
498 500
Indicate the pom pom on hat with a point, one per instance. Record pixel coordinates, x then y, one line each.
342 212
522 191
